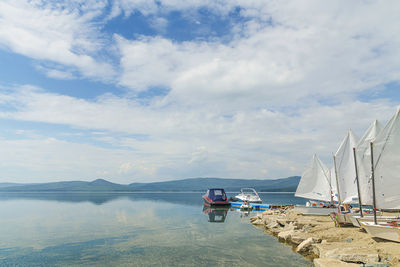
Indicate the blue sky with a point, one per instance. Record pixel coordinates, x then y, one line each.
141 90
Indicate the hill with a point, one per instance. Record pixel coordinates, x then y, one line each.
231 185
194 184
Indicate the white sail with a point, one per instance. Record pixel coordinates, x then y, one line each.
364 162
332 182
386 152
314 183
346 173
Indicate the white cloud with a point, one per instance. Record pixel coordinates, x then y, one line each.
152 7
159 24
332 55
125 167
62 32
181 143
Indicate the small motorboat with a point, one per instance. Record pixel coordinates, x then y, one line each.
248 194
215 196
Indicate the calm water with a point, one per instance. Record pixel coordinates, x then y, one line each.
135 229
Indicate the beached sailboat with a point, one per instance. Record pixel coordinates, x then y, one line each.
385 171
345 175
362 160
369 217
345 172
315 184
363 155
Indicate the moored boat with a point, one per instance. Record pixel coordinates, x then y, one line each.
248 194
215 196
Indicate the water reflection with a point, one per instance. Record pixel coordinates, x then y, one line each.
244 213
216 214
136 229
100 198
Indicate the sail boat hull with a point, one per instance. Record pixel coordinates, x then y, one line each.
381 230
356 218
342 219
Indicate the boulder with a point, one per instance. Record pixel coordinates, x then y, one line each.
275 231
296 238
282 221
289 226
328 262
256 221
285 235
272 225
305 246
350 254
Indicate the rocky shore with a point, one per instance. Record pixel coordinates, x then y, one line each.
317 239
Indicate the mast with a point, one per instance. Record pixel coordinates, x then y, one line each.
373 180
358 182
337 182
330 184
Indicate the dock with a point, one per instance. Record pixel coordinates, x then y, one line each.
261 207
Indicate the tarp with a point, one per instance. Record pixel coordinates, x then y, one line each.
217 194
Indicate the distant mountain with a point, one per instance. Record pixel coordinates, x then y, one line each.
194 184
9 184
98 185
231 185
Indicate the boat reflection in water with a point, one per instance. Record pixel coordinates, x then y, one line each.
216 214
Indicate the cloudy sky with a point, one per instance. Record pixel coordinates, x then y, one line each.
143 90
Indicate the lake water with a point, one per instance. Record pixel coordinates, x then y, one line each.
134 229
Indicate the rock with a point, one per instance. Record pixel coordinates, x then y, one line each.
296 238
306 244
378 264
349 240
307 228
327 262
356 255
275 231
268 212
272 225
256 221
289 226
285 235
282 222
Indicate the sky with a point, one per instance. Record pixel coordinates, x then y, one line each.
145 91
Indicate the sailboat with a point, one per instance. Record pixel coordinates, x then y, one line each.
362 160
345 175
315 184
385 171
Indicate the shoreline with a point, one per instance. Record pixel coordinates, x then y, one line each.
317 239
